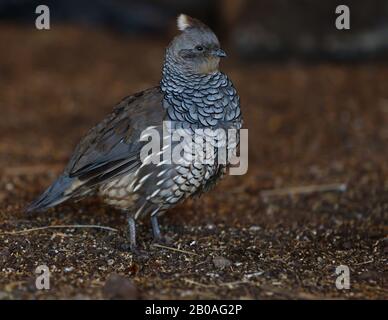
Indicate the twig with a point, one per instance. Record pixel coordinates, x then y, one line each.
77 226
173 249
189 281
339 187
231 285
365 262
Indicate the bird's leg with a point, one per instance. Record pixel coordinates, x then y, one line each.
155 228
140 254
132 235
158 237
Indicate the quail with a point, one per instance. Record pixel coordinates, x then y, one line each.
193 96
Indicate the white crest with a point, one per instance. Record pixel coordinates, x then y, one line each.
183 22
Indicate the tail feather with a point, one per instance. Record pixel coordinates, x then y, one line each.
54 195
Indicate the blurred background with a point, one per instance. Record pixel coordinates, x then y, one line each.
315 101
264 29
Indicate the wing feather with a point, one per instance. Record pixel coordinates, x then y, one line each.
112 147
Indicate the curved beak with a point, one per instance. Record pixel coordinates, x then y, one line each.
219 53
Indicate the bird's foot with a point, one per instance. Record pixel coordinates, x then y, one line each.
158 236
139 254
163 240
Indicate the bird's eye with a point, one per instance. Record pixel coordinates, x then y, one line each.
199 48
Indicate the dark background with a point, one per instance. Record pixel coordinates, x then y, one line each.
315 102
265 29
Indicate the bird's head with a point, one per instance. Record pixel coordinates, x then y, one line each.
196 49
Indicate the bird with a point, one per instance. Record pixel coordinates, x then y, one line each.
194 96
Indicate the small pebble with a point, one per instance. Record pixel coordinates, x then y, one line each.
221 262
119 288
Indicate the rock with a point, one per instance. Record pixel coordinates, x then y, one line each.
221 262
119 288
68 269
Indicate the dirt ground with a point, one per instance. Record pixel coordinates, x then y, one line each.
310 126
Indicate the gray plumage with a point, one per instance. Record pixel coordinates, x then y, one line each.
193 94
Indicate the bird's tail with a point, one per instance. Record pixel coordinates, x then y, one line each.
54 195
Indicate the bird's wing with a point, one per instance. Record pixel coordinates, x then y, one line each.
112 147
